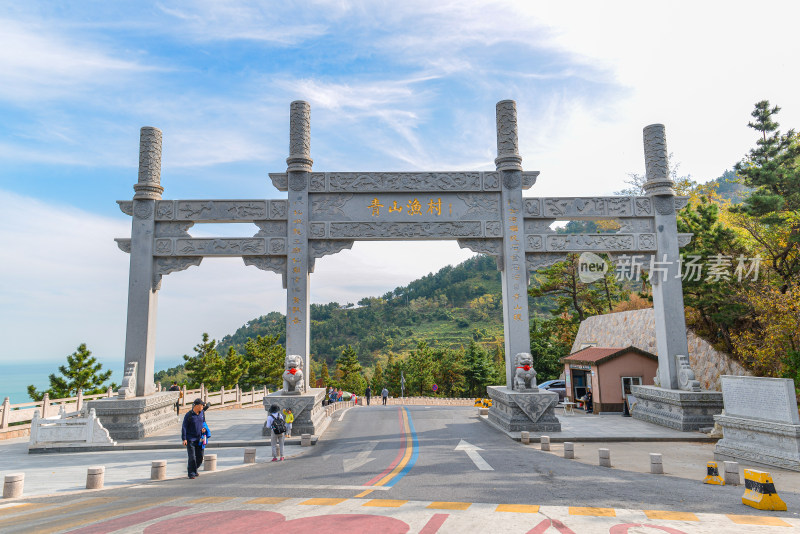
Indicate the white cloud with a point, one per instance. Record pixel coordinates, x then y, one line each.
38 63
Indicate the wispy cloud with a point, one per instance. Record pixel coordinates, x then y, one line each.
39 63
213 20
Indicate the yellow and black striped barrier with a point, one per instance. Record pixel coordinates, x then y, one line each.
760 491
487 403
712 475
478 403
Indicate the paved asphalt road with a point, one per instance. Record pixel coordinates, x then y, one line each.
410 453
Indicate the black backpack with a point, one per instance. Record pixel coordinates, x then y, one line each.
278 424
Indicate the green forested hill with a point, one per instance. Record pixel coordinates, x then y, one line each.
446 309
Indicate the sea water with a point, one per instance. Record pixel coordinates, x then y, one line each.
15 377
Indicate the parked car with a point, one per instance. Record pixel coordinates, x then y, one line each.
556 386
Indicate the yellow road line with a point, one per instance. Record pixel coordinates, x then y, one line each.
267 500
676 516
17 508
209 500
596 512
364 494
385 503
321 501
61 524
443 505
758 520
518 508
406 457
22 518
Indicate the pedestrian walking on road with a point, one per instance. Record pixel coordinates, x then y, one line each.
192 433
384 395
368 394
176 387
277 426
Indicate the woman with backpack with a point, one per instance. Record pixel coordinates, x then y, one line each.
277 426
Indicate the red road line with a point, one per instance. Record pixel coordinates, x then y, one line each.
130 520
434 524
400 453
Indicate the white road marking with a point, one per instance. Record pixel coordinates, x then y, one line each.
344 412
472 452
361 458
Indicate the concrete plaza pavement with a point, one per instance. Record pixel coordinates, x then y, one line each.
60 472
630 442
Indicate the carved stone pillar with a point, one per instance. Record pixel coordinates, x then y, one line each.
665 278
142 296
514 272
299 162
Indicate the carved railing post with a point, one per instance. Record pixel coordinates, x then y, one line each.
6 413
222 395
45 405
79 401
665 277
511 262
183 395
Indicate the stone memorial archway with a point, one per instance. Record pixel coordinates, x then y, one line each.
325 212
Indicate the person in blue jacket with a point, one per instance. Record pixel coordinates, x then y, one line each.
192 433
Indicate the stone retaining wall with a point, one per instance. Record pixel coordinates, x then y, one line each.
637 328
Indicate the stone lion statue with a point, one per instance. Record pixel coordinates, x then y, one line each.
293 382
524 375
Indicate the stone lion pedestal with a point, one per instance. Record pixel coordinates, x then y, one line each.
309 415
530 410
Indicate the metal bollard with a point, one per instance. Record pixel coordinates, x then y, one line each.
158 470
525 437
656 467
305 440
210 462
12 486
545 443
569 450
95 477
604 457
250 455
732 473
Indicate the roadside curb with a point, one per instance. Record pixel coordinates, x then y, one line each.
554 438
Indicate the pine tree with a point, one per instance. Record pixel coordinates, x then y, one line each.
716 300
773 169
82 371
478 369
265 359
547 349
205 366
377 378
449 372
352 379
232 369
420 367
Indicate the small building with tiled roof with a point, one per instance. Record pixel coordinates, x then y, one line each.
607 372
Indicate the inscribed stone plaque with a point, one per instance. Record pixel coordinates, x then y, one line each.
768 399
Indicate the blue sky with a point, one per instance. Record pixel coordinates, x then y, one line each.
391 87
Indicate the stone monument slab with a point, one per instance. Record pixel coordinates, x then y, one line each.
766 399
760 423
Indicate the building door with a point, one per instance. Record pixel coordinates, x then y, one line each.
579 382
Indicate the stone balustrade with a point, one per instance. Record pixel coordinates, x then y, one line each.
15 419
